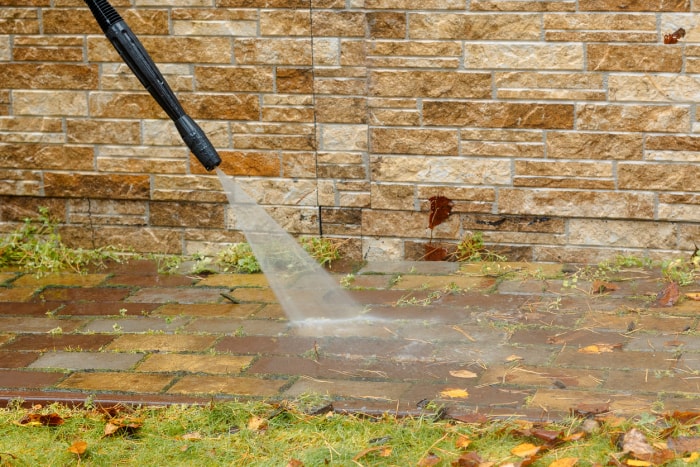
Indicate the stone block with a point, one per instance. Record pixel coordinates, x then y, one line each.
266 51
338 24
430 84
294 80
570 203
46 103
346 137
607 146
47 156
531 56
474 26
661 177
234 79
437 169
90 131
19 21
124 105
186 214
341 109
386 25
614 57
414 141
649 88
498 115
392 196
404 224
638 5
114 186
285 23
629 234
631 117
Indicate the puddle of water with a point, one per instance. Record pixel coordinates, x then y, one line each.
305 290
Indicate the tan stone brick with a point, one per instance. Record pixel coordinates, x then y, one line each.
664 177
139 239
294 80
637 5
499 115
475 26
531 56
628 234
392 196
564 169
430 84
440 48
394 117
672 143
227 385
215 27
273 51
285 142
578 145
344 137
612 117
570 203
277 114
116 186
254 163
187 214
19 21
616 22
411 5
212 364
585 36
406 224
436 169
564 182
298 164
173 49
237 79
613 57
75 21
502 149
161 342
491 222
341 109
116 381
414 141
47 48
112 212
124 105
47 156
386 25
45 103
654 88
285 23
338 24
90 131
221 106
465 199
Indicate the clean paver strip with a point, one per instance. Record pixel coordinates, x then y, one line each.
507 339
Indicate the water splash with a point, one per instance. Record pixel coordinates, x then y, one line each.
303 288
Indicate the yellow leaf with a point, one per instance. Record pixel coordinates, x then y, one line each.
694 456
111 428
257 423
599 348
693 295
193 436
462 442
525 450
463 374
637 463
455 393
78 447
564 462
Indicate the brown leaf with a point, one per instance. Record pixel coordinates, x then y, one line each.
693 295
600 287
586 410
295 463
193 436
110 429
122 425
434 252
549 436
685 416
565 462
440 210
635 442
683 444
468 459
430 459
462 442
381 451
52 419
78 447
669 295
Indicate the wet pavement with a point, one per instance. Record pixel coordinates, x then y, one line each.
505 339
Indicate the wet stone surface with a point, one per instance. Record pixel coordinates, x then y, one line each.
516 339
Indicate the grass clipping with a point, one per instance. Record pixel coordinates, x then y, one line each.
286 434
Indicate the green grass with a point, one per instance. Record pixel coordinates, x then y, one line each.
266 434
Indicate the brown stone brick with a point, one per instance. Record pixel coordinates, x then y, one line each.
49 76
124 105
80 21
499 115
338 24
443 169
221 106
663 177
392 196
19 21
629 234
517 5
414 141
137 239
612 117
341 109
635 5
430 84
273 51
540 56
19 208
294 80
502 27
97 186
290 142
168 49
187 214
611 57
43 156
264 164
116 381
237 79
103 131
386 25
672 143
48 48
578 145
577 203
285 22
264 3
564 169
514 223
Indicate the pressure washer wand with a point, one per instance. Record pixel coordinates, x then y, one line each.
133 53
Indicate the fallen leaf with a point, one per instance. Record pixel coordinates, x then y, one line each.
599 348
684 444
110 429
669 295
381 451
638 463
454 393
586 410
635 442
685 416
78 447
602 287
193 436
550 436
295 463
440 210
525 450
122 425
468 459
256 423
463 374
693 295
430 459
34 419
565 462
462 442
693 457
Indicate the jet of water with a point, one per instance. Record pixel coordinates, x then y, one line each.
305 290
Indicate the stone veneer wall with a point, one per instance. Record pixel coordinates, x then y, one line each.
564 130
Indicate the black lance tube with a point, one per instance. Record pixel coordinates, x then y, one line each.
132 52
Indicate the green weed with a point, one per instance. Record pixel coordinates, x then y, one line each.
323 250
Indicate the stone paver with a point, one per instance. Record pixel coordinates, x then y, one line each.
509 339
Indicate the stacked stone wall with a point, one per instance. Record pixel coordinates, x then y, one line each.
561 130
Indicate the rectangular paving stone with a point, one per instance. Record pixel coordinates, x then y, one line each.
270 311
211 364
559 337
228 310
421 281
254 294
136 324
60 279
282 345
162 342
31 324
177 295
150 280
388 391
483 397
17 359
651 381
640 323
227 385
409 267
116 381
7 276
559 400
29 309
542 376
245 327
105 308
57 342
234 280
16 294
88 294
28 379
87 360
665 342
620 359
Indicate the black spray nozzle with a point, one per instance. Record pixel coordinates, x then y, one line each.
141 64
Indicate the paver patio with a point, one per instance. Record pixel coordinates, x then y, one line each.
515 339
